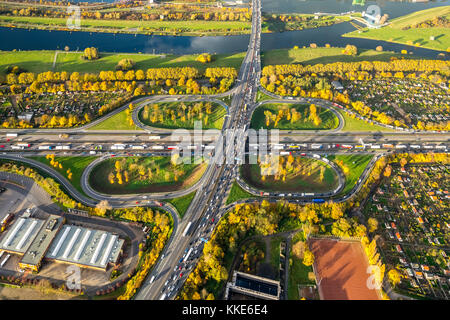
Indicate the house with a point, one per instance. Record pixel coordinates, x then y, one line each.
337 85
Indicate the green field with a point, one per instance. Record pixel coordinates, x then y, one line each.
215 119
275 254
115 122
329 120
162 178
77 164
414 36
198 27
355 124
306 180
237 193
311 56
41 61
182 203
298 272
355 164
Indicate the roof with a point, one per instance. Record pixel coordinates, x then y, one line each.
21 234
84 246
42 240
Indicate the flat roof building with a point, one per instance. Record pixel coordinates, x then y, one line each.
85 247
32 258
36 239
20 235
253 286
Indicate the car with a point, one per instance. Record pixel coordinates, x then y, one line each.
181 274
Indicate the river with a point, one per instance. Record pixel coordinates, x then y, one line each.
23 39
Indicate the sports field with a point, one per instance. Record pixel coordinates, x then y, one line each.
341 270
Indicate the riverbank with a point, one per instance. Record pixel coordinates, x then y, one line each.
47 60
399 30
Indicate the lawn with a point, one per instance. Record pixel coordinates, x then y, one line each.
311 56
198 27
182 203
414 36
41 61
329 120
353 166
77 164
146 174
307 179
275 254
215 119
115 122
298 272
237 193
355 124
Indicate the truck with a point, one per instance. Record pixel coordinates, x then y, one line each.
65 147
187 229
118 146
316 156
154 137
172 147
284 153
277 146
375 146
157 147
415 146
316 146
387 146
11 135
137 147
24 145
318 200
400 146
46 147
359 146
346 146
163 296
187 255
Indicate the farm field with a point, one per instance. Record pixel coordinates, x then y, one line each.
411 211
304 118
306 175
130 175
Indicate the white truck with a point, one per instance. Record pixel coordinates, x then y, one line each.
118 146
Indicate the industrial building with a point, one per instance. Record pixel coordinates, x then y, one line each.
247 286
38 239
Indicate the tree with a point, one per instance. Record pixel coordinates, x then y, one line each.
372 224
102 207
90 53
394 277
308 258
125 64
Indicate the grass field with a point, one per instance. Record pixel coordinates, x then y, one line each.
307 181
329 120
76 165
198 27
182 203
275 254
298 272
215 119
41 61
115 122
311 56
355 124
162 179
355 164
237 193
414 36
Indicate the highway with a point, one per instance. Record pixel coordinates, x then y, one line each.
185 246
